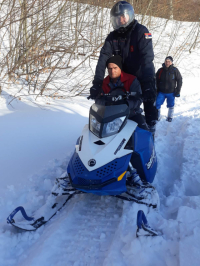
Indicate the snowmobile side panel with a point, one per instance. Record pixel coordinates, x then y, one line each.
144 156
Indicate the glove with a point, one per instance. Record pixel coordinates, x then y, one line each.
177 95
95 90
149 91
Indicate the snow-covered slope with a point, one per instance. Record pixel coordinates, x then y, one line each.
36 145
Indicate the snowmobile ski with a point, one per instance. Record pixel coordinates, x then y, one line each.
60 195
143 228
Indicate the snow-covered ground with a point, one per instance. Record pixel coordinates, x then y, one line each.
35 147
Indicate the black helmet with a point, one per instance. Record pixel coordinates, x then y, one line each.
121 16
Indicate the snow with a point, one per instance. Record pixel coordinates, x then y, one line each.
38 134
36 142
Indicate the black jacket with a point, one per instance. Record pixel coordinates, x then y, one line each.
169 80
136 50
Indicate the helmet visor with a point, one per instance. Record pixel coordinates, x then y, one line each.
122 20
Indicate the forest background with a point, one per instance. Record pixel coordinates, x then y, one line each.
50 48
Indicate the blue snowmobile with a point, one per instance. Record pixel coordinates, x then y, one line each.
113 156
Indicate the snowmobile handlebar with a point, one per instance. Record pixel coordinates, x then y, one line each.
108 95
116 94
113 95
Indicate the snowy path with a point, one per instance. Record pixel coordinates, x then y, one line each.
81 233
93 230
178 182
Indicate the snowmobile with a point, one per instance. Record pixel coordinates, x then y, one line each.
113 157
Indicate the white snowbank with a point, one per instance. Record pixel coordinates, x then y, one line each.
94 230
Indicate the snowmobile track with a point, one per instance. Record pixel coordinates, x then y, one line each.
87 228
94 228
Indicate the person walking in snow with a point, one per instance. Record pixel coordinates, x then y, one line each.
169 83
133 42
118 78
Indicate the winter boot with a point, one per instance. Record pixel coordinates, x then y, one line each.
170 114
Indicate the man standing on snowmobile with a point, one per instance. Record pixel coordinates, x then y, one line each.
169 83
133 42
119 79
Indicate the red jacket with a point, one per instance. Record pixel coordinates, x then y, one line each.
125 78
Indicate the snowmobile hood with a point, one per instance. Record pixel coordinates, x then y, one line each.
101 151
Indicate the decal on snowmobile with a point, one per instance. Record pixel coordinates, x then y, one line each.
117 98
121 176
92 162
99 142
151 160
80 143
119 147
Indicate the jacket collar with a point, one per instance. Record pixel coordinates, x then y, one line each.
134 24
131 27
123 77
128 32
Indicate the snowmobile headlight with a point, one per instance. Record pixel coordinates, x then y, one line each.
113 127
94 125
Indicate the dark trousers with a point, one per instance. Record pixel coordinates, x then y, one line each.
140 120
151 113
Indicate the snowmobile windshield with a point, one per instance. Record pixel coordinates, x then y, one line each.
107 120
121 15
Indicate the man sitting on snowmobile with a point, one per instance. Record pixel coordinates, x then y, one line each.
118 78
